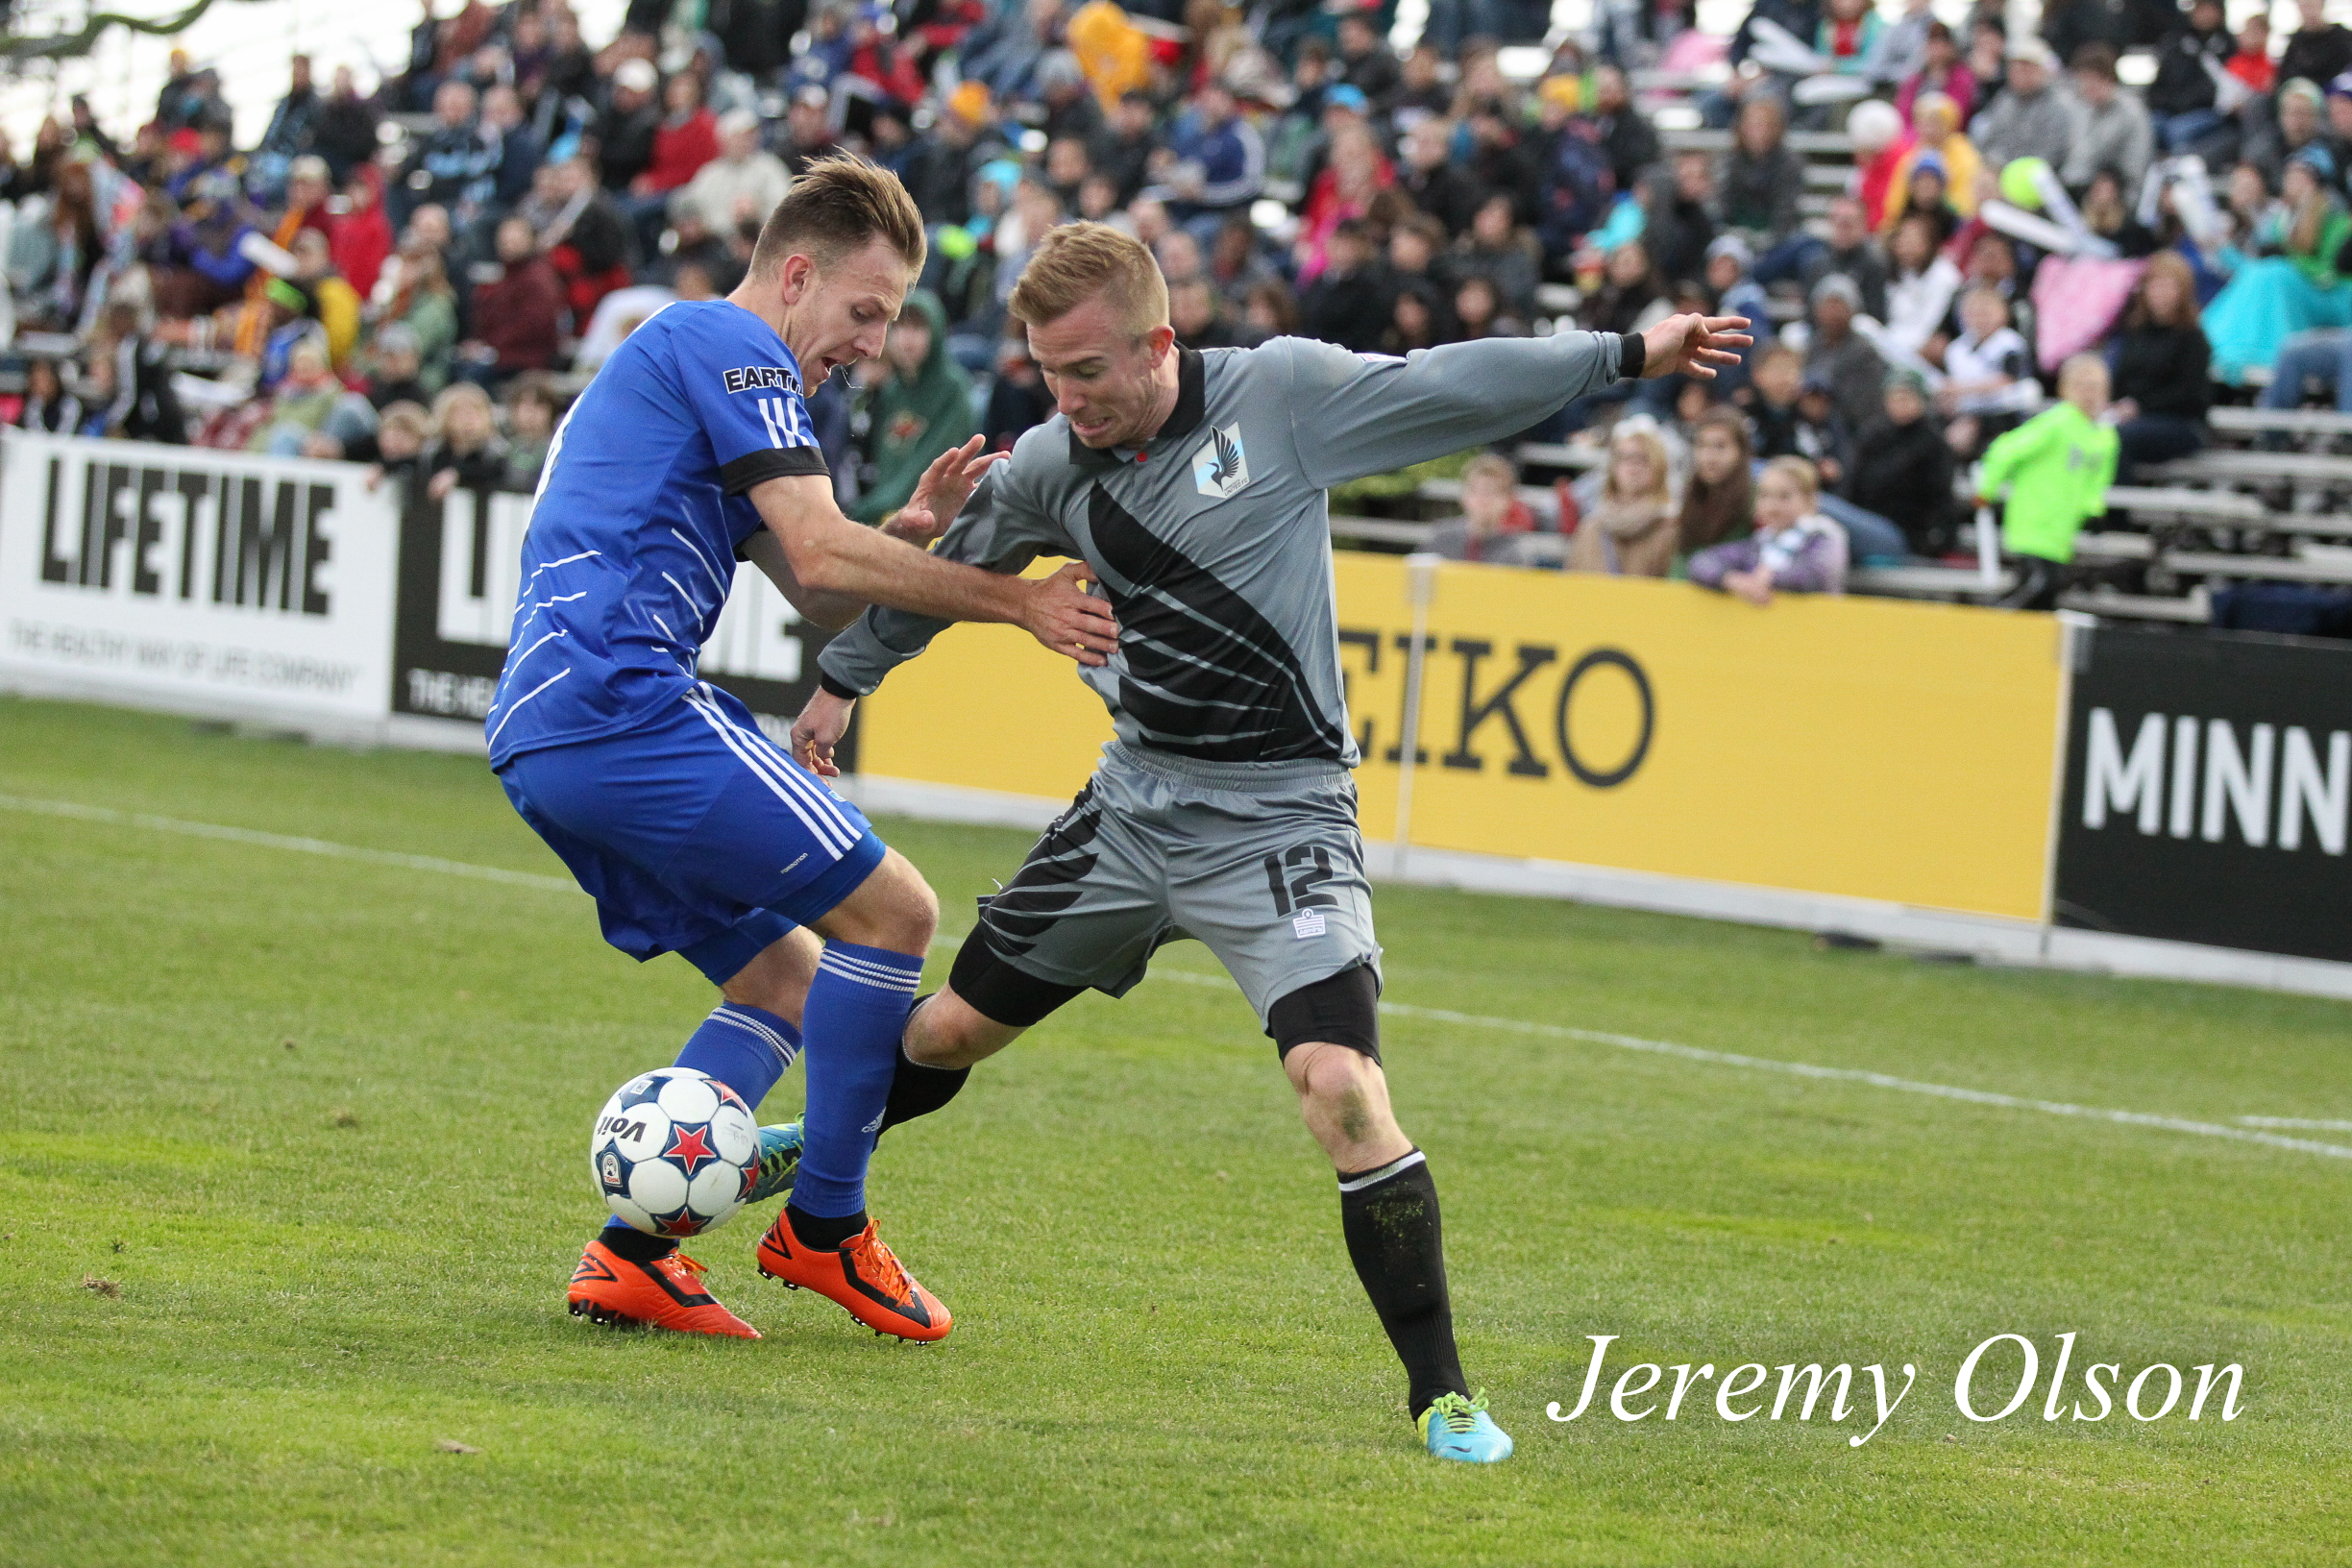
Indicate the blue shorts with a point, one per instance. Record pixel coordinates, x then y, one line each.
695 833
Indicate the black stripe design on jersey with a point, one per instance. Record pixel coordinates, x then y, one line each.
1046 884
1206 675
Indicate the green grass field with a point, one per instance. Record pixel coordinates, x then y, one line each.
293 1176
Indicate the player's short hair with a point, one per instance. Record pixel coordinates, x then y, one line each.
841 204
1076 261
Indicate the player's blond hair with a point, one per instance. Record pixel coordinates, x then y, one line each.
841 204
1076 262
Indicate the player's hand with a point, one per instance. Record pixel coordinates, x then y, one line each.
819 730
941 492
1063 617
1694 346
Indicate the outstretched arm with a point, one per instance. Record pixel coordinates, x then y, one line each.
1352 415
831 556
1000 530
945 486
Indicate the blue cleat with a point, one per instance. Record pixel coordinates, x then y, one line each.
1455 1427
779 1161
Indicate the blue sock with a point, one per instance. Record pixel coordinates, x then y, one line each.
746 1048
856 1012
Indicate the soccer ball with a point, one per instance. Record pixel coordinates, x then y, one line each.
675 1152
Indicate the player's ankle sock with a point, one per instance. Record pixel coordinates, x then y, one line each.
855 1015
746 1048
628 1241
822 1231
916 1088
1389 1217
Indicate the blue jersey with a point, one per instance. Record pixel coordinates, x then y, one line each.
632 546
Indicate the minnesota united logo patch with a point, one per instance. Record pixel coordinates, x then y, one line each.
1221 468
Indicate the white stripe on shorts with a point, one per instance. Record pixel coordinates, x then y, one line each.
831 836
795 777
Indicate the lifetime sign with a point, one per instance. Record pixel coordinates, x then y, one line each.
154 531
209 582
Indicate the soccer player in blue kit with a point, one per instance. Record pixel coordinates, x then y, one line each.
693 449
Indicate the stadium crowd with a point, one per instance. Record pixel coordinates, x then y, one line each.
418 276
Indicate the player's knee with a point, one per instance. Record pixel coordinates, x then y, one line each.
894 908
949 1032
777 980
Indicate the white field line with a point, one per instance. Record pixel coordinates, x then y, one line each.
1851 1075
1403 1009
282 841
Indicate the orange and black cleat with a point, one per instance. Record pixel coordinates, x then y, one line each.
862 1275
666 1293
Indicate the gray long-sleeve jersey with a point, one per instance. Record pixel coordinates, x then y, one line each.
1211 540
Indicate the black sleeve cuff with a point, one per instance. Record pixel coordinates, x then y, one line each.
1631 356
834 688
770 463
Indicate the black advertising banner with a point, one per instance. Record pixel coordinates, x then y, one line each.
2208 781
460 565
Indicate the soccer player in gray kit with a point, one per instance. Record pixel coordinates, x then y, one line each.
1192 484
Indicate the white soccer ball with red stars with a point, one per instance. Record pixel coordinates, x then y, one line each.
675 1152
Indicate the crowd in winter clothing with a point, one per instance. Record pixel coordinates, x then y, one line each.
427 298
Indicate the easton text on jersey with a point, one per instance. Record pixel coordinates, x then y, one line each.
752 377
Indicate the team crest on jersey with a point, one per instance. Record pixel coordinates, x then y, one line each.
752 378
1221 468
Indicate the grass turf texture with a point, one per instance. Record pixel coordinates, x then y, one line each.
323 1124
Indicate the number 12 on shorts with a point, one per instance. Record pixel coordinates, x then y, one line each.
1294 875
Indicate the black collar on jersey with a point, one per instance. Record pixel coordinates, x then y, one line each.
1191 403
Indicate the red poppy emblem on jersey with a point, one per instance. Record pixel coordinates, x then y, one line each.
693 1145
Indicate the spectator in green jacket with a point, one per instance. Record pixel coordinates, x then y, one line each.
2057 467
923 407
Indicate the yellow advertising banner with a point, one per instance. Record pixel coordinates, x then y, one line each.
1875 749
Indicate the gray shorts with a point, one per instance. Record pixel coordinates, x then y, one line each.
1267 867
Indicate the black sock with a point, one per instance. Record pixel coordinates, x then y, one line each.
918 1090
1389 1217
635 1245
817 1230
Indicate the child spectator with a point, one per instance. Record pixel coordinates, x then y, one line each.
402 431
1920 294
47 406
1795 549
1779 378
1495 523
1935 121
2056 467
468 452
1989 385
1719 499
1730 279
1903 468
1821 436
532 409
1631 533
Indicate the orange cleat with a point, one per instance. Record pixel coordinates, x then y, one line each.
862 1275
608 1289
